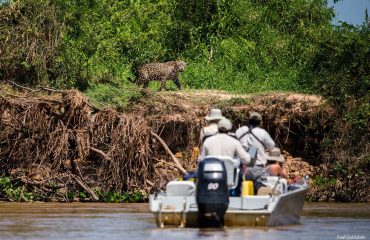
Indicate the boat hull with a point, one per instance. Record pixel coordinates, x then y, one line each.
288 209
253 211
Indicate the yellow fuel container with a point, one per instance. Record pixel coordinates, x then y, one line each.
247 188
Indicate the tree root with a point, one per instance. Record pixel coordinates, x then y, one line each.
86 188
173 157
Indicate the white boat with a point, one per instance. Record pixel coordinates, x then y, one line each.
279 205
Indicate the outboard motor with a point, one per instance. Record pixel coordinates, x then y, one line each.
212 193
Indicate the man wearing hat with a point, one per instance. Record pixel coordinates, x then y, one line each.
222 144
254 135
275 162
212 119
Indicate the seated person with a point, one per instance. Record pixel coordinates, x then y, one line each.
254 135
222 144
274 165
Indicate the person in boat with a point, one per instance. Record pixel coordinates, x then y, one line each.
254 135
274 165
222 144
212 118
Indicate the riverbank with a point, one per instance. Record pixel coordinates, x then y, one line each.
59 146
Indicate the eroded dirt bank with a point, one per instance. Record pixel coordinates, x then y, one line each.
58 144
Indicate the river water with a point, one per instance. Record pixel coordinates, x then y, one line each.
133 221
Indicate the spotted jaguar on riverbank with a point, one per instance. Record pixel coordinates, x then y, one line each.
160 72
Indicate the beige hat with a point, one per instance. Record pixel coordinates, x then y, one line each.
225 124
214 114
255 115
275 155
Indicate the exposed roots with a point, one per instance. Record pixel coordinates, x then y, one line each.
49 142
107 149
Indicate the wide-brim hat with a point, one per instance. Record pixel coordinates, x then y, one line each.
225 124
255 115
275 155
214 114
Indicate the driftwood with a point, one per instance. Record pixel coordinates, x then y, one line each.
86 188
173 157
101 153
164 162
20 86
149 183
36 90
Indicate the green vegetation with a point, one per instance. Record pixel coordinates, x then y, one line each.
15 191
242 46
116 197
323 182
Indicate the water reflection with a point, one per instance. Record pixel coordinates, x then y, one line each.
133 221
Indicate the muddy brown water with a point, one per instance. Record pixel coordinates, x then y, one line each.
133 221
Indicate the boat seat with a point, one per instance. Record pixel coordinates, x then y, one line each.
180 188
268 191
232 169
271 181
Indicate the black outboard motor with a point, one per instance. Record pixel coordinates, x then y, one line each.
212 193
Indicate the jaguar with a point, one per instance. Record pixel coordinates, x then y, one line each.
160 72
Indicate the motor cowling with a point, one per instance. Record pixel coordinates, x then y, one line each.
212 194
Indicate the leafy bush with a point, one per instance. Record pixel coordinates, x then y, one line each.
323 182
341 68
15 191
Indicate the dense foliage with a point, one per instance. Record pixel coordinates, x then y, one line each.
30 34
244 46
